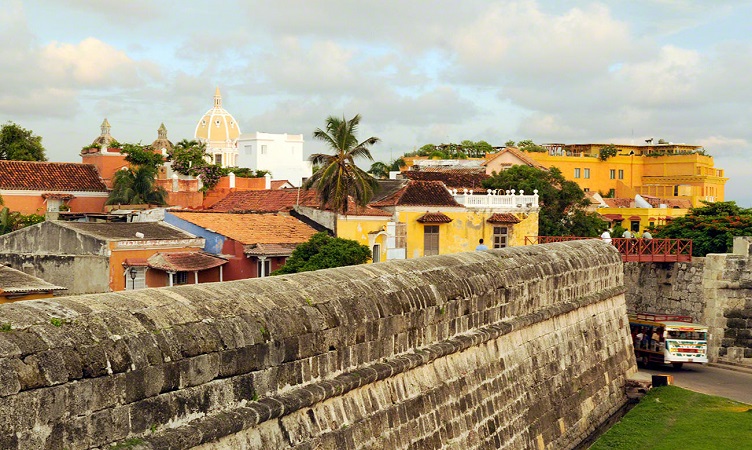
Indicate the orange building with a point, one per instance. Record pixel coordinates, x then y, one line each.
662 170
34 187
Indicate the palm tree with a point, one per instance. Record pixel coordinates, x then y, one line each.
338 176
379 170
135 186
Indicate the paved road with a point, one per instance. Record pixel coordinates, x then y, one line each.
709 380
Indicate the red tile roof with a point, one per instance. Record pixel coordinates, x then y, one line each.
269 249
452 178
437 217
252 228
612 217
184 261
282 200
419 193
50 176
503 218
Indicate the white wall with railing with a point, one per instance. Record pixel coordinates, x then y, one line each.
495 199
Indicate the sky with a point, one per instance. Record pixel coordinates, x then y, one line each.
417 71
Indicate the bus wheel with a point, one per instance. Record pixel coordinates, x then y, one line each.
677 365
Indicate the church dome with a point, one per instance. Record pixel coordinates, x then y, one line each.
217 125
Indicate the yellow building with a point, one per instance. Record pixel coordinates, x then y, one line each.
428 219
661 170
219 130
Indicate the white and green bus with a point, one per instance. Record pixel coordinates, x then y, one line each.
668 339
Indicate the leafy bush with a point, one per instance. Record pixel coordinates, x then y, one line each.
323 252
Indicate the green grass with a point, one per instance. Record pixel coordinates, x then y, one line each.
670 418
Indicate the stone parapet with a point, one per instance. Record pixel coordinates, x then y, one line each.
521 347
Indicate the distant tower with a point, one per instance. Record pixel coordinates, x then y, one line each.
162 146
103 155
104 140
219 131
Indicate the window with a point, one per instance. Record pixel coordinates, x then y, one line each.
263 149
376 253
587 173
635 225
400 235
180 278
249 149
621 174
218 160
612 174
500 235
577 173
585 189
676 191
430 240
264 267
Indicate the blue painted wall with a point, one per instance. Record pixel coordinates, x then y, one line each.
214 241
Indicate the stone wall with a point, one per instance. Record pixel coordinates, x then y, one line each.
670 288
81 274
715 290
525 347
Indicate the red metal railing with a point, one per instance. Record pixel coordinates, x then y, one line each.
639 250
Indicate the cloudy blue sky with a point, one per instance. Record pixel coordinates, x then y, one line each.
417 71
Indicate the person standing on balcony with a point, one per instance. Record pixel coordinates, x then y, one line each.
606 236
481 245
647 236
627 234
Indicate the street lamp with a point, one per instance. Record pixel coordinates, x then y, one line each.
133 273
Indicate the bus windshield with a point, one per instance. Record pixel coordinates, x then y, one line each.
692 335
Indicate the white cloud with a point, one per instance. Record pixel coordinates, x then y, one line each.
89 63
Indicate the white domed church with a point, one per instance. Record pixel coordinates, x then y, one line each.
219 131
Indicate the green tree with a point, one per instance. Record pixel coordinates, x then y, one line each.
338 176
711 227
187 156
510 143
529 146
323 252
562 203
606 152
142 156
14 220
397 164
19 144
135 186
379 170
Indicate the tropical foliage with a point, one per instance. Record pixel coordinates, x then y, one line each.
562 202
186 156
135 185
606 152
323 252
465 149
711 227
19 144
338 177
14 220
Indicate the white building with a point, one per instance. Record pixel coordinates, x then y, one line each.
219 131
280 154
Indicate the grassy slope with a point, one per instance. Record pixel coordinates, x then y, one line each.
673 418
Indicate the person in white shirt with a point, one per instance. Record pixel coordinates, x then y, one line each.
606 236
647 235
627 234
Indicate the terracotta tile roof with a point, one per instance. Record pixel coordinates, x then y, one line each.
503 218
452 178
252 228
656 202
126 231
618 202
266 201
282 200
613 217
50 176
281 184
437 217
419 193
14 281
519 154
185 261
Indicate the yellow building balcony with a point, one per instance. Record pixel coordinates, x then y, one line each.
496 199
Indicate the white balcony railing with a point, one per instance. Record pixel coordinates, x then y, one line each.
495 199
